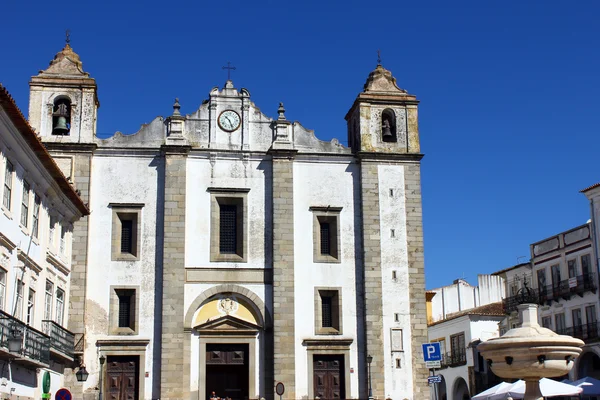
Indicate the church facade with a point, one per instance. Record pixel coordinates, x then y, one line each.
227 251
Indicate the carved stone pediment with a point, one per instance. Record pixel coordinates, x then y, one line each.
227 324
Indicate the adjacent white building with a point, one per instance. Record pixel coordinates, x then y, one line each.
39 207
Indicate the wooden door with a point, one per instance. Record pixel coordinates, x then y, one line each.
227 371
122 378
328 377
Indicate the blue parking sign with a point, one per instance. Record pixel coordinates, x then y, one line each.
432 352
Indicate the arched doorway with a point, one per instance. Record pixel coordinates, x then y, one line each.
227 329
588 364
460 390
441 389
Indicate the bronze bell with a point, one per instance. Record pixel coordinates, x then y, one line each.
386 131
62 113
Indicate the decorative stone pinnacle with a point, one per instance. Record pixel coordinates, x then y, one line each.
176 107
281 112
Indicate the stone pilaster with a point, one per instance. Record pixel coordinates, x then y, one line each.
416 277
283 273
372 275
175 380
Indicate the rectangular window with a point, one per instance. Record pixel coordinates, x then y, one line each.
2 288
63 241
19 300
559 320
60 306
326 234
228 229
555 276
228 240
126 308
458 354
52 225
590 314
572 266
576 315
125 233
8 179
547 322
328 316
585 266
25 204
30 307
48 300
36 216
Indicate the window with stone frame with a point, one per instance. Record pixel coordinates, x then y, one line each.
25 204
49 295
326 234
30 307
126 231
60 306
2 289
63 239
19 300
228 240
8 183
124 310
328 316
547 322
560 324
36 216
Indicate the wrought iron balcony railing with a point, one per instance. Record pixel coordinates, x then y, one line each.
34 345
61 339
586 332
565 289
454 358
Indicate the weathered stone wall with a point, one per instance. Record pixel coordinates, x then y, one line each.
283 273
174 378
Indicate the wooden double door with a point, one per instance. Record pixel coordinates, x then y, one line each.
328 377
227 371
122 377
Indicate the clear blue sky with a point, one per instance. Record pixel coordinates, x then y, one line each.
509 92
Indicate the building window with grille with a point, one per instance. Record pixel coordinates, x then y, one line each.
123 310
228 227
60 306
30 307
326 234
126 232
2 288
327 311
48 300
36 216
25 204
8 182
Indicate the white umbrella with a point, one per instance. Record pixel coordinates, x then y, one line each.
491 391
548 387
590 386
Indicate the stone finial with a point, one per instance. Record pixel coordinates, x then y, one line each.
176 107
281 112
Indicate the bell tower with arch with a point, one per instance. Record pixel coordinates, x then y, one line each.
63 100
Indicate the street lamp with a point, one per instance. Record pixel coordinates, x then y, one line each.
102 359
369 361
15 340
82 374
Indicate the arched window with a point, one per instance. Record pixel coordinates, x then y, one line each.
61 116
388 126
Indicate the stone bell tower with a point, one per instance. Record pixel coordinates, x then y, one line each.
383 117
384 136
63 100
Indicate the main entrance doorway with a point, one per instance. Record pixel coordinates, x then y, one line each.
329 378
122 374
227 370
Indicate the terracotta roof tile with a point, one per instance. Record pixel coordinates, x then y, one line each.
492 309
595 185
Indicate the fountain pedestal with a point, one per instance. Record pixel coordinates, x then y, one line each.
530 352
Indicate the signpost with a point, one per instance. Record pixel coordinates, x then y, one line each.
63 394
432 355
46 386
280 389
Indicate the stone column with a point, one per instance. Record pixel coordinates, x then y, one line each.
283 273
416 277
372 276
175 379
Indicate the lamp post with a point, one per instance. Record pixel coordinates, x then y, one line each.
102 359
369 361
82 374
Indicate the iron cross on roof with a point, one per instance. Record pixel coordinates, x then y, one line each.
228 68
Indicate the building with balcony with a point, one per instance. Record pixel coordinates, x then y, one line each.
39 207
562 278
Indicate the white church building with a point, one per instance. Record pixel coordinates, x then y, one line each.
230 251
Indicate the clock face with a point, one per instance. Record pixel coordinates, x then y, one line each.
229 120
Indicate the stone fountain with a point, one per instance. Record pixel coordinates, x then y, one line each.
530 352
